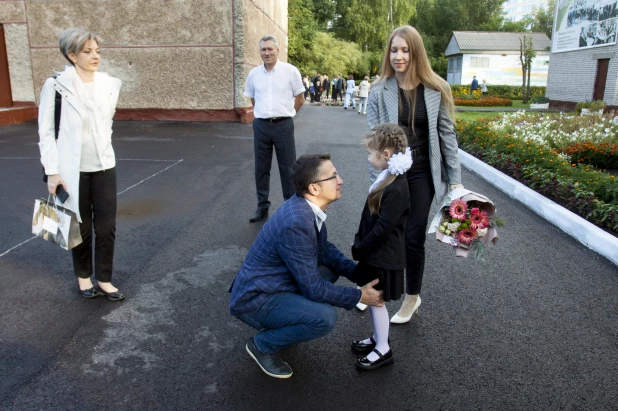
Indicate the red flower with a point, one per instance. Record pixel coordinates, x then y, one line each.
479 220
467 235
458 209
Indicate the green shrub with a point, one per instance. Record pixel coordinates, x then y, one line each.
504 91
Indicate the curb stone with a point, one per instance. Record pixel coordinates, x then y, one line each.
583 231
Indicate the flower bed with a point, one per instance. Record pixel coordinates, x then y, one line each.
602 155
484 102
583 189
588 140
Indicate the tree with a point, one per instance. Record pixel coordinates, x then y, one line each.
369 22
543 19
526 55
329 55
301 29
437 19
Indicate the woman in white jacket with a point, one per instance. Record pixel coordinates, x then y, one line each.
82 159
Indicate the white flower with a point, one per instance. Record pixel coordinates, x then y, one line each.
399 163
453 226
481 231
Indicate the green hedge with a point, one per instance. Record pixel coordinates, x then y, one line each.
510 92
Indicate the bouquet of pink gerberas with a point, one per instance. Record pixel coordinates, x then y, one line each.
467 221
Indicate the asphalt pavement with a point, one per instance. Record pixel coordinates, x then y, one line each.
535 326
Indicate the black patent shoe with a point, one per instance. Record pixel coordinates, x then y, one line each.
362 348
259 215
115 296
89 293
386 359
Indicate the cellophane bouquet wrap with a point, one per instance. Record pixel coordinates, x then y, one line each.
466 220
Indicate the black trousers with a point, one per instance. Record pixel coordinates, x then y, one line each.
97 206
267 134
422 192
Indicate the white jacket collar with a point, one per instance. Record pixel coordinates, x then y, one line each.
65 78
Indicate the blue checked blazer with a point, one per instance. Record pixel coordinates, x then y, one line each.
383 107
285 258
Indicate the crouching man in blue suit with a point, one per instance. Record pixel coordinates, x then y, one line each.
285 286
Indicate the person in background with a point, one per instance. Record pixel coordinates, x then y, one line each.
474 86
82 160
276 92
349 92
363 94
306 84
326 87
484 87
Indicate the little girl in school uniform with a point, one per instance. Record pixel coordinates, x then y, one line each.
379 244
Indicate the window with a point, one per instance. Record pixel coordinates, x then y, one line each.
479 62
459 61
451 63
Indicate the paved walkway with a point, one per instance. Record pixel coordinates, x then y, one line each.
533 327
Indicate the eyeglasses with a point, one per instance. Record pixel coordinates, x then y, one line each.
326 179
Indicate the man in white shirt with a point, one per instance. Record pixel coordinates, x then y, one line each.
276 92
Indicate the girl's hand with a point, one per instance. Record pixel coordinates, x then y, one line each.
53 181
454 186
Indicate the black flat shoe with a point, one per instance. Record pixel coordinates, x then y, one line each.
260 214
116 296
89 293
361 348
386 359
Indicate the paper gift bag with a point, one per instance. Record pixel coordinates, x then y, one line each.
56 224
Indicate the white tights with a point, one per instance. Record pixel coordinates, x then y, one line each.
381 325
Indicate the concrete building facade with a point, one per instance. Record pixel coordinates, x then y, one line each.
178 59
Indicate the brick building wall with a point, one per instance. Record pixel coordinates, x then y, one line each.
572 75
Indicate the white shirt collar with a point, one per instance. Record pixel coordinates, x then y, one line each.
274 67
320 216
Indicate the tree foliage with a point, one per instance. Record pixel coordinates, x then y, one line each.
368 23
543 19
329 55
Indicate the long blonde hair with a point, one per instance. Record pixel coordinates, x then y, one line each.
418 66
386 136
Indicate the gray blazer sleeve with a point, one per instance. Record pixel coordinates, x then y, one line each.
448 146
373 115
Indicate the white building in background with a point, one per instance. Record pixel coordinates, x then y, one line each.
517 9
494 56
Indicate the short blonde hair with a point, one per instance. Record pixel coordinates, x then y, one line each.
73 40
269 37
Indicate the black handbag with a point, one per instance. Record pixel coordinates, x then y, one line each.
57 109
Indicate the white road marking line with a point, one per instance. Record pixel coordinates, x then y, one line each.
118 159
7 251
148 178
123 191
